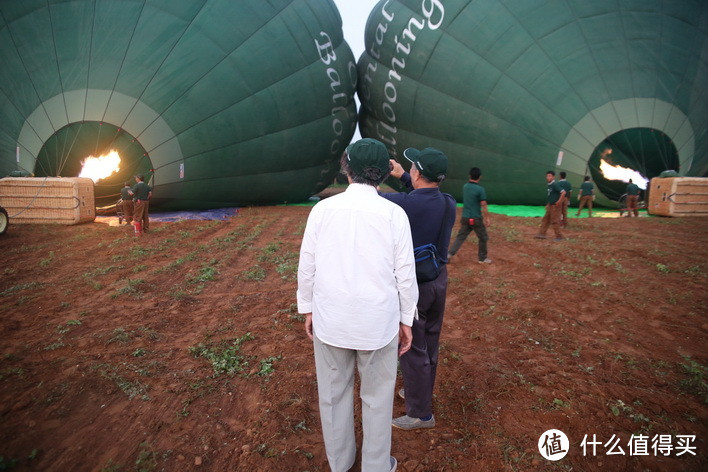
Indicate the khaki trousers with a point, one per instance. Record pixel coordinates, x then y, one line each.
632 201
585 201
335 387
551 218
128 211
140 213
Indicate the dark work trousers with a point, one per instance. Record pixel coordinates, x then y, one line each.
141 213
419 365
632 205
465 229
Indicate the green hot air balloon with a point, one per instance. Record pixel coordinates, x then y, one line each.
220 103
521 87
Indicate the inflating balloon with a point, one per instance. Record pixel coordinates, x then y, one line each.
220 103
518 88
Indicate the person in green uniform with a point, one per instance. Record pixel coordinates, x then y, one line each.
127 203
556 193
141 196
566 200
632 198
587 193
475 217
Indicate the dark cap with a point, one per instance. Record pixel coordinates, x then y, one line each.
367 153
430 162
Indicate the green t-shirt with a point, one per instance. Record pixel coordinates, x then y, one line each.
566 186
472 196
141 191
586 189
554 192
632 189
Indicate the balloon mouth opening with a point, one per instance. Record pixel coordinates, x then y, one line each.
635 153
101 151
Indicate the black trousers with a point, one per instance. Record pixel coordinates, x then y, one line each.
465 229
419 365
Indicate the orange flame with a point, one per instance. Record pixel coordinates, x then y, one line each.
622 173
97 168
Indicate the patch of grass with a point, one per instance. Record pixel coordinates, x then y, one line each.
206 273
512 235
12 371
139 268
614 264
178 262
7 463
285 262
232 238
147 458
111 466
178 292
55 345
619 407
207 226
131 288
120 335
138 252
48 260
132 388
266 366
256 273
23 299
694 381
574 274
558 403
118 242
271 248
662 268
139 352
225 357
19 288
101 271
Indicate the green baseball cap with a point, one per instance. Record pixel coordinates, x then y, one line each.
430 162
368 153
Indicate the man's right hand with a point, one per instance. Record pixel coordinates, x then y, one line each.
396 169
308 325
405 339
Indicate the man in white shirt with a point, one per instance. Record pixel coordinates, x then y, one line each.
358 291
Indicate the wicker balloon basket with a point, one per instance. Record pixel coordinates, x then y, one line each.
41 200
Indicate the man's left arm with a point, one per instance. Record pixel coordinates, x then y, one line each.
485 213
306 274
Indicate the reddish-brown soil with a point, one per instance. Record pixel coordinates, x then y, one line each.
106 342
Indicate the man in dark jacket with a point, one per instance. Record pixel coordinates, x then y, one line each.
432 215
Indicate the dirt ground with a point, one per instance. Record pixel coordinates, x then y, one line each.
183 350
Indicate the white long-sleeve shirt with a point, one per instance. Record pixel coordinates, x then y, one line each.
357 272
